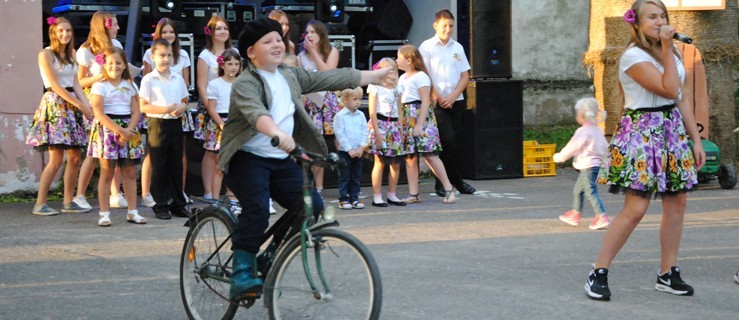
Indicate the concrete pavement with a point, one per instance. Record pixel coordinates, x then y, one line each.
500 254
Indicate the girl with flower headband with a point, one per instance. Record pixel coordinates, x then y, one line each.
421 130
103 32
165 29
386 135
115 138
649 155
217 41
57 124
317 54
218 101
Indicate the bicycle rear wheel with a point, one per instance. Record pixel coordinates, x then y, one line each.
204 270
351 273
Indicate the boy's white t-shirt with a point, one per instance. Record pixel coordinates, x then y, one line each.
181 64
409 86
282 110
163 92
636 96
387 103
220 91
445 63
85 58
116 99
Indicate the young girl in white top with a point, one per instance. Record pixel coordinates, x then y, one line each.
115 138
58 122
218 40
166 30
422 135
219 96
317 54
588 146
386 136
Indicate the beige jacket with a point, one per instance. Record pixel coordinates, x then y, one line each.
250 100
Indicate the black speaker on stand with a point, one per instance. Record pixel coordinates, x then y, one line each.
493 131
484 30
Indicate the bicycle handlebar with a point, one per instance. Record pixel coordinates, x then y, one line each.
300 154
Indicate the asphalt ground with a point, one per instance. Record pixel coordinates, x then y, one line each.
499 254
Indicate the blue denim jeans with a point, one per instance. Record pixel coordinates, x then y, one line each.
586 186
253 180
350 176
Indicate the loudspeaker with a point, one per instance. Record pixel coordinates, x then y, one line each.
484 30
493 130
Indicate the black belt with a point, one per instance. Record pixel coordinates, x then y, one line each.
70 89
384 118
223 115
657 109
118 116
412 102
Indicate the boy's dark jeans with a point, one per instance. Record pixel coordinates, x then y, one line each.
450 123
165 139
350 176
253 180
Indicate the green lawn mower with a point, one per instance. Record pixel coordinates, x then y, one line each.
713 169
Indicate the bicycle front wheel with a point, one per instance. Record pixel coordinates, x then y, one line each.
352 288
204 270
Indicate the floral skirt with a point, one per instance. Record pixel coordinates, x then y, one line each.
428 141
323 116
649 154
104 142
392 138
87 121
56 123
212 134
200 121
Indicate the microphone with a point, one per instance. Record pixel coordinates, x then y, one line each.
682 38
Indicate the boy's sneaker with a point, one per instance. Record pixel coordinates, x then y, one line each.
571 217
118 201
148 201
736 276
672 283
597 285
345 205
599 222
44 210
234 206
357 205
82 202
73 207
187 199
271 207
361 195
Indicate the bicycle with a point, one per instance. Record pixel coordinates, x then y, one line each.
310 269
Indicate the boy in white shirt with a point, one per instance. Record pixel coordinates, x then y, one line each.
163 97
350 128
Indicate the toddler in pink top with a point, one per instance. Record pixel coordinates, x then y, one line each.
587 146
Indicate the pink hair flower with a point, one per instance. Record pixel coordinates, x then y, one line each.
108 23
630 16
100 59
52 20
376 65
206 30
221 60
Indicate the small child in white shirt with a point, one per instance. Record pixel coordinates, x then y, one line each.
587 146
350 128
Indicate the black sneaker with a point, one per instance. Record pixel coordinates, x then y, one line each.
672 283
597 285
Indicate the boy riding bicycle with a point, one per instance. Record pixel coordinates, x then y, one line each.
263 105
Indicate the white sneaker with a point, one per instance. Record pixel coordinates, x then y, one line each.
187 199
148 201
118 201
271 207
82 202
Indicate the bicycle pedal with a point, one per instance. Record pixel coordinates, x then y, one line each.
246 296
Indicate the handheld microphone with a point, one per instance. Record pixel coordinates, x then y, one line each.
682 38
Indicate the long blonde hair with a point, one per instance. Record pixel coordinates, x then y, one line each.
98 39
63 52
637 36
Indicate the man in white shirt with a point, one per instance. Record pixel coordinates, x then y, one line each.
448 69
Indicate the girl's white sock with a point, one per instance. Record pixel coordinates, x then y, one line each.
208 196
378 198
392 196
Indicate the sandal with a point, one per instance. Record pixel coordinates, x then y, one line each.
134 217
104 220
411 198
449 197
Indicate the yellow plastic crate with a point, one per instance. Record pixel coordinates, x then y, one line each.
537 159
